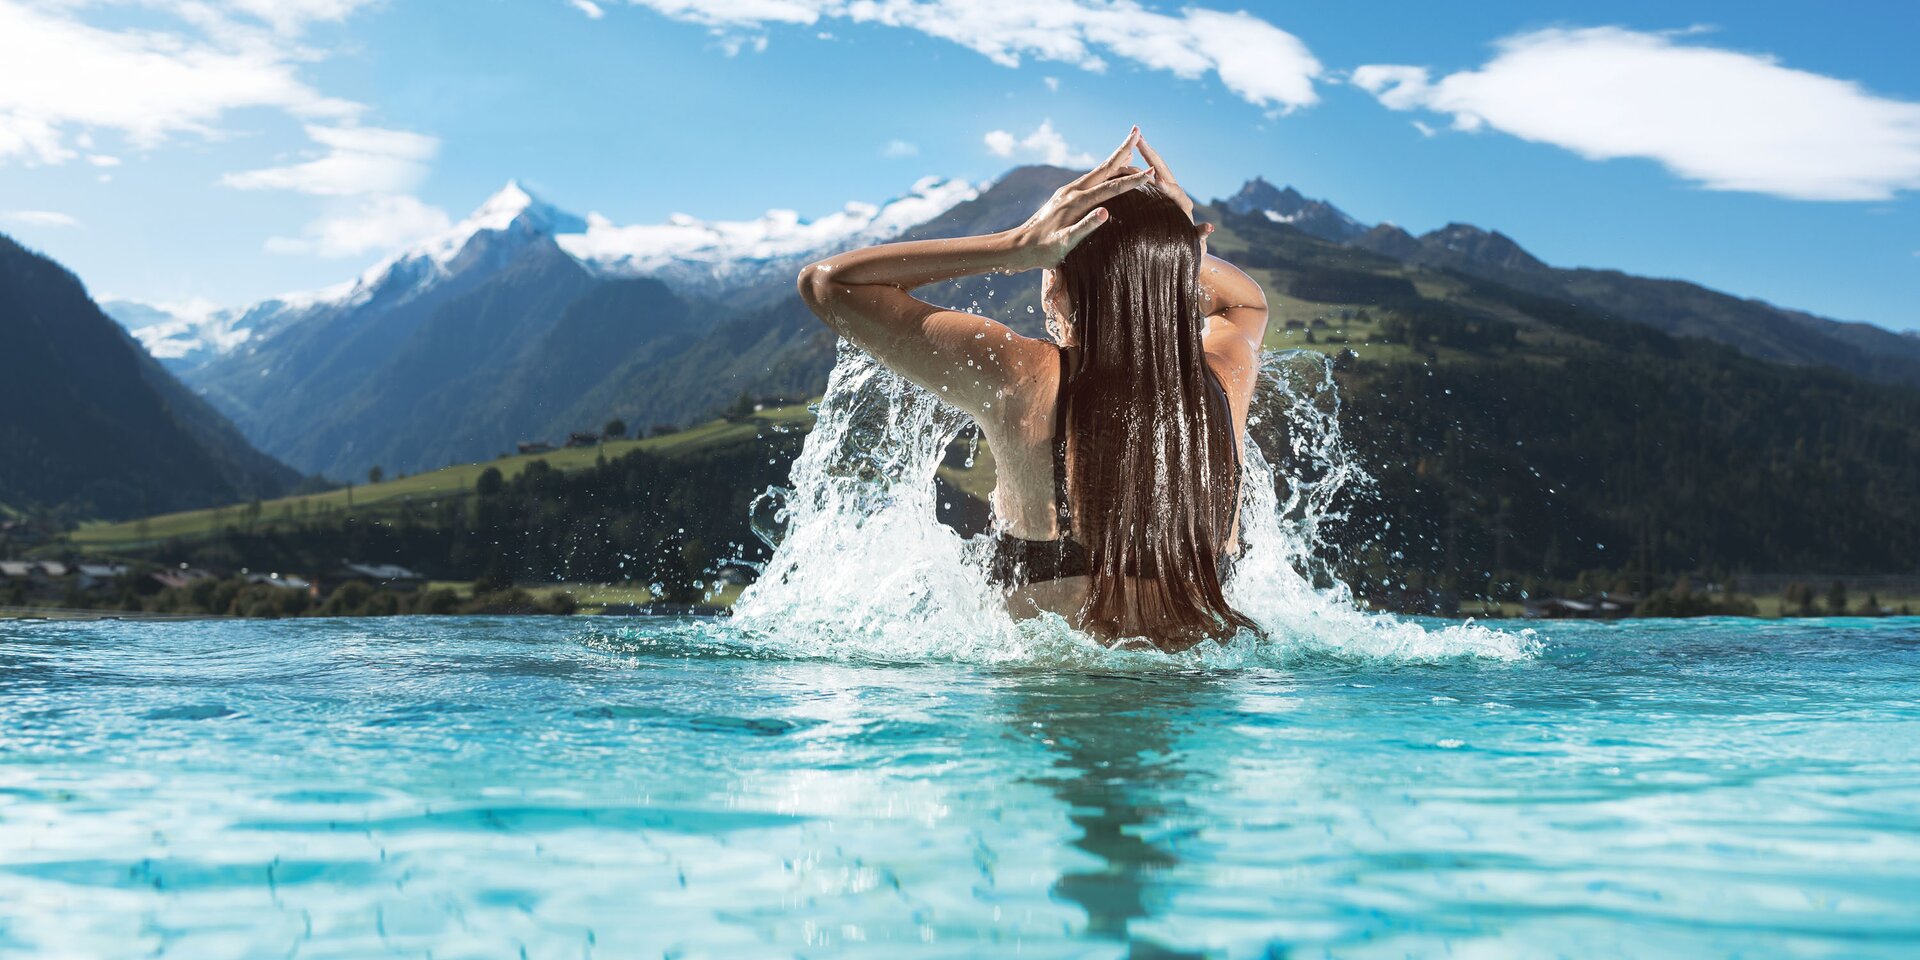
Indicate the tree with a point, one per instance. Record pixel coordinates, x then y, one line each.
1837 599
375 474
615 428
1800 597
489 482
741 408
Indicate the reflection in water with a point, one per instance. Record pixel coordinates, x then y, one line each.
1119 769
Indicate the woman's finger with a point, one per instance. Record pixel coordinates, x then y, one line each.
1080 231
1118 157
1154 161
1102 192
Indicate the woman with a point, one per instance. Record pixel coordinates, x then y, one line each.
1116 443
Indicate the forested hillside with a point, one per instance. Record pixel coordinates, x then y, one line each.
92 425
1517 439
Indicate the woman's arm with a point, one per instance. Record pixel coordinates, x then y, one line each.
1236 323
968 360
1234 302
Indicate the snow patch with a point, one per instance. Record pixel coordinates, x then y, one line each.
775 236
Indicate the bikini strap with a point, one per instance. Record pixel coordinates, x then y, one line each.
1218 393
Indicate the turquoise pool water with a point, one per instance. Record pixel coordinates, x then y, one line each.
558 788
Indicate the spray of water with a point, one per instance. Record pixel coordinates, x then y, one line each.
861 567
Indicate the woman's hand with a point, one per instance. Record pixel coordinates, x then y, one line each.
1164 177
1074 211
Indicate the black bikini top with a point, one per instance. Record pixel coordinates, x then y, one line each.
1017 561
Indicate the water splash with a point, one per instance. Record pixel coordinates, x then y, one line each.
861 567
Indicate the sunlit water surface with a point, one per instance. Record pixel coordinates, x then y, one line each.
559 788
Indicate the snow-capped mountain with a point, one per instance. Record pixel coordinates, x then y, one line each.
431 355
700 254
1316 217
183 336
688 253
179 335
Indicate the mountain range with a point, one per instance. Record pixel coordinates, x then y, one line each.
527 322
523 321
1754 327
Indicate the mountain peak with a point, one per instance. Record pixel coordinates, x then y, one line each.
514 202
1316 217
1255 195
508 200
1491 247
1389 239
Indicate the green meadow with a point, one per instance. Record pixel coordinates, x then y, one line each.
376 500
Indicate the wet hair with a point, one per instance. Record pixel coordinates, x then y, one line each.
1153 470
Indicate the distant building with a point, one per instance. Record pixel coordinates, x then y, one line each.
19 570
389 575
94 575
54 569
583 439
1586 608
535 446
183 577
288 582
22 531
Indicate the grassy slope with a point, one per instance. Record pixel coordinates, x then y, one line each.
373 500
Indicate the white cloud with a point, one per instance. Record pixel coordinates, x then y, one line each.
731 13
1044 144
102 160
588 7
39 218
1053 84
292 16
359 160
1720 118
899 149
375 223
1258 61
732 44
60 78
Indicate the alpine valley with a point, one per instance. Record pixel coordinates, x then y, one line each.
525 321
1523 422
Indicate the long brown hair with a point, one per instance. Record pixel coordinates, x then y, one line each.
1153 470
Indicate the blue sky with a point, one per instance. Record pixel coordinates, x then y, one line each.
229 150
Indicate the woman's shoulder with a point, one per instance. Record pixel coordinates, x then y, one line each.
1036 366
